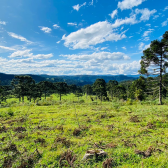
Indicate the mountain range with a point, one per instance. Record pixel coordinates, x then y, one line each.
78 80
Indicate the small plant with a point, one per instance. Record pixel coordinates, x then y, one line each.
10 112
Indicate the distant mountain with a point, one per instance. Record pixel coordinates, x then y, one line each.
79 80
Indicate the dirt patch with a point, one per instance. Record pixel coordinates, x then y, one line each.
101 146
31 160
107 163
2 139
3 129
68 157
21 136
128 143
76 132
146 153
110 127
11 147
134 118
150 125
20 129
7 163
40 140
64 141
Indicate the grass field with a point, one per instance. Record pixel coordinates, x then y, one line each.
38 135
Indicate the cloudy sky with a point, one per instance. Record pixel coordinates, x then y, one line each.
70 37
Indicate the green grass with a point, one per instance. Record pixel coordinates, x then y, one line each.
126 127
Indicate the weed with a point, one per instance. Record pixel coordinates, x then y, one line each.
76 132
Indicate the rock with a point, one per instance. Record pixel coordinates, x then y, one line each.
97 153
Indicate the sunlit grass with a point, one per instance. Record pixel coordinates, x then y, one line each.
129 127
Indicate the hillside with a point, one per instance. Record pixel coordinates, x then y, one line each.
78 80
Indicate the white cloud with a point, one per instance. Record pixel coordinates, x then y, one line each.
98 57
45 29
3 22
7 48
26 53
91 3
149 25
130 20
146 33
156 16
72 24
129 4
166 8
103 48
19 37
141 46
43 56
113 14
92 35
56 26
145 13
77 7
124 48
58 42
19 53
164 23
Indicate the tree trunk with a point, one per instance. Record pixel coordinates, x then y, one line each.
23 99
45 95
160 83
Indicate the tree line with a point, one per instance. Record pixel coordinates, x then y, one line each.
25 86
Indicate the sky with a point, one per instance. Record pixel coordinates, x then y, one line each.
78 37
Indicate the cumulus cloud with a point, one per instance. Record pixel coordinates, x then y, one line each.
7 48
113 14
92 35
104 31
21 38
72 24
43 56
45 29
145 13
77 7
56 26
99 56
24 53
164 23
27 53
3 22
129 4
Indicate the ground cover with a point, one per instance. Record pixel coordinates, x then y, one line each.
47 133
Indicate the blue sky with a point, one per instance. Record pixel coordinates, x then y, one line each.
71 37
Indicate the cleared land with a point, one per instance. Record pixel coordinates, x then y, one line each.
38 135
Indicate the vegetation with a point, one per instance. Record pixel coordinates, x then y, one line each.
42 134
101 125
